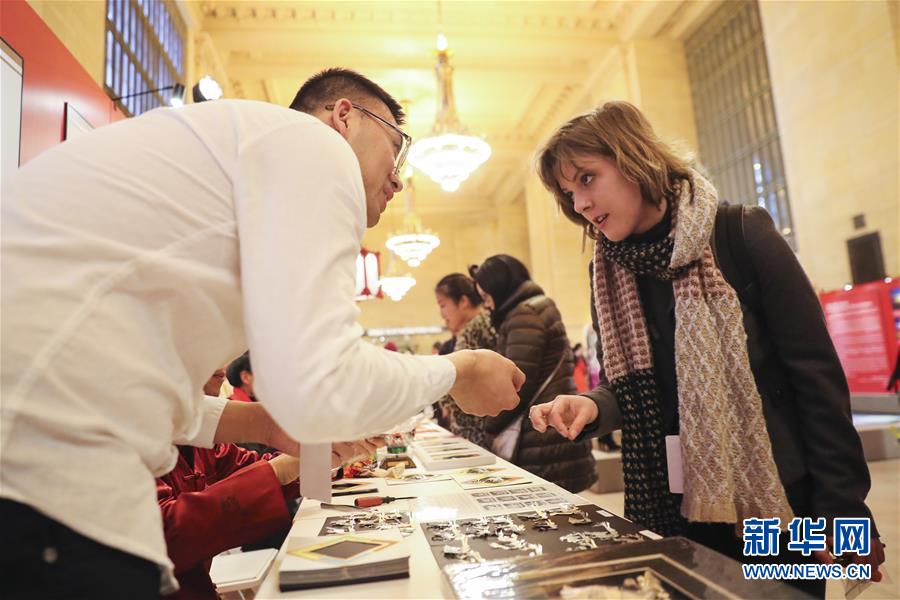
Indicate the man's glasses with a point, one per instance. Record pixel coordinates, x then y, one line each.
405 138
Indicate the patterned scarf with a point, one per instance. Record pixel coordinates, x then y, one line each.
729 472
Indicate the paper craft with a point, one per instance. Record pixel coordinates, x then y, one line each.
472 471
408 478
517 498
393 460
446 448
464 454
454 455
490 480
346 488
486 477
441 442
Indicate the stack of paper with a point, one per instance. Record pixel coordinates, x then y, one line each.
451 454
312 562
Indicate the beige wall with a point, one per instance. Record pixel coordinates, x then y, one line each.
834 76
79 24
664 92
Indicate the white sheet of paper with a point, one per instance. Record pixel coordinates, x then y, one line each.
315 471
673 458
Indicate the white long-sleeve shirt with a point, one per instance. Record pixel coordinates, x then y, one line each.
139 258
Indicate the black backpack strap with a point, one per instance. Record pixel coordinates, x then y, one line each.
730 249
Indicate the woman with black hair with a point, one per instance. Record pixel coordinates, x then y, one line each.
461 308
530 333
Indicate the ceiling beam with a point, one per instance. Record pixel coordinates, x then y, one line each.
520 18
646 18
690 17
410 44
501 74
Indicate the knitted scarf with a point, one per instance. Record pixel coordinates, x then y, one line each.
729 471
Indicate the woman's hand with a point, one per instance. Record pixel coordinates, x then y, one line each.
566 414
875 557
286 467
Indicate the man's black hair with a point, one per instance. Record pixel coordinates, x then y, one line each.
332 84
238 366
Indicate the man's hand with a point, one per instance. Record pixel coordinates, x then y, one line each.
566 414
486 383
874 558
287 467
346 452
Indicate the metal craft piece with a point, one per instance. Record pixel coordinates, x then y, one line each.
537 515
545 525
563 509
580 518
443 535
462 552
371 521
587 540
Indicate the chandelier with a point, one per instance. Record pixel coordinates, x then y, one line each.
395 283
412 243
396 286
449 155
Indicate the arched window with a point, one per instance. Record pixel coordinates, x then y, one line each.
145 46
736 127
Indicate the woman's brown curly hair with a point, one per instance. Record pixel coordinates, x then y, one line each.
618 131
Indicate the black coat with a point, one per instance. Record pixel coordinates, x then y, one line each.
806 401
530 333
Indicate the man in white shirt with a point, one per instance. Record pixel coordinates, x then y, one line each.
232 222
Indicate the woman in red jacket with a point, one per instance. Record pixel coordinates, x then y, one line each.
223 497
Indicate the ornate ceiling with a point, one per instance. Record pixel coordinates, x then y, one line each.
520 66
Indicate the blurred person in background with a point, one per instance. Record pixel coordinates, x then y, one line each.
530 332
240 375
463 312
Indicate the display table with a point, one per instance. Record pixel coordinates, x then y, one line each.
443 500
425 579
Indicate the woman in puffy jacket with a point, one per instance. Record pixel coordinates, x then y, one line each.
530 333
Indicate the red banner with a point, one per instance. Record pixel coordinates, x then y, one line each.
864 323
